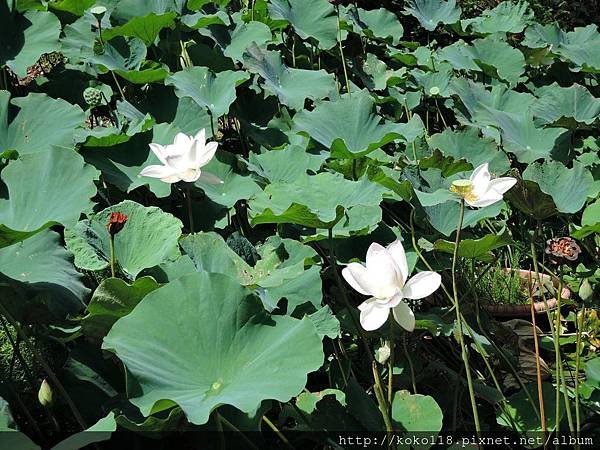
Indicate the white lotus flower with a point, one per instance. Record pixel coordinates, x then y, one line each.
480 189
385 279
183 159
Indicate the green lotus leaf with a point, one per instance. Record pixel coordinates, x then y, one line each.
121 53
126 10
520 414
244 35
26 37
357 221
521 137
480 249
578 46
430 13
468 145
214 92
220 348
210 253
281 271
41 123
100 431
459 55
201 20
507 62
556 180
590 221
478 101
236 185
347 126
310 19
291 86
592 372
57 194
9 436
285 165
77 42
507 17
556 102
75 7
113 299
42 263
434 83
309 200
416 412
145 28
376 23
444 216
148 238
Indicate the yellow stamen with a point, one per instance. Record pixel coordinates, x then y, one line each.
464 188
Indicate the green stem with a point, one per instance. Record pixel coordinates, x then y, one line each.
112 255
577 364
38 356
461 339
342 49
383 407
410 365
232 427
188 198
561 379
390 380
279 434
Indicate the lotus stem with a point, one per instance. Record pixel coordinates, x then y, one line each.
383 407
188 198
232 427
461 339
410 366
390 380
577 364
112 255
279 434
561 382
337 8
537 360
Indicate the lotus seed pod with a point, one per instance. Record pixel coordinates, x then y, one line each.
45 394
98 12
92 96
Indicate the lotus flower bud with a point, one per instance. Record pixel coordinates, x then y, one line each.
382 354
45 394
585 289
116 222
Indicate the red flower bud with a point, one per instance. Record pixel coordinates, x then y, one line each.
116 222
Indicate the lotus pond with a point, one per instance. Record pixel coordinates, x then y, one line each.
283 223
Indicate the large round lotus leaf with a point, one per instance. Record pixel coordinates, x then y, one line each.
507 17
214 92
201 341
291 86
244 35
41 123
430 13
556 180
26 37
348 126
380 23
309 200
310 19
45 189
416 412
42 263
575 102
148 238
145 28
